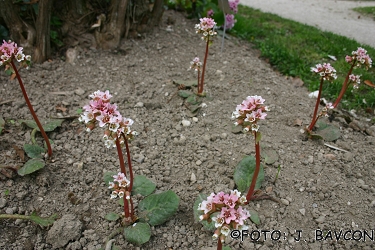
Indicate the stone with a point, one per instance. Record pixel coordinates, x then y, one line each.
79 91
66 229
3 202
139 105
185 123
302 211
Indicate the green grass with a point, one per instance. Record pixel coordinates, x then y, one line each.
367 11
293 48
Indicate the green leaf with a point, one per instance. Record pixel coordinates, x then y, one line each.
139 233
197 213
142 185
44 222
2 124
328 132
254 217
185 93
31 166
34 151
48 125
192 100
121 201
270 155
244 172
158 208
108 176
194 108
111 216
226 248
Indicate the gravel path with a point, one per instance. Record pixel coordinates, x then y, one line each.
330 15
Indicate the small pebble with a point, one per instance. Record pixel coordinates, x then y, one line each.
302 211
185 123
139 105
193 178
285 201
195 119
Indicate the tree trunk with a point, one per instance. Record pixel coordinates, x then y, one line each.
20 32
109 34
43 45
157 12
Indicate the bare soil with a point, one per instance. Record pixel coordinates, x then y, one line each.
318 187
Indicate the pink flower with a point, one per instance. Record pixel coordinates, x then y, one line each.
229 21
220 198
234 5
231 200
228 214
326 71
361 57
195 64
241 215
10 50
206 206
207 28
210 13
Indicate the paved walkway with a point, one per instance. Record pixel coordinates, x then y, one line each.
328 15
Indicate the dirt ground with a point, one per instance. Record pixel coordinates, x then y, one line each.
321 190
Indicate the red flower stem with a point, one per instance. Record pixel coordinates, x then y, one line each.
200 89
344 86
31 109
219 244
129 163
198 79
314 120
120 157
257 168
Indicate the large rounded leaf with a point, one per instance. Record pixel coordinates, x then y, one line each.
244 172
138 233
158 208
31 166
34 151
48 125
142 185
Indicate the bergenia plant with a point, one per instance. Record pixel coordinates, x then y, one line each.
100 112
226 212
196 65
326 72
247 115
206 27
9 51
155 209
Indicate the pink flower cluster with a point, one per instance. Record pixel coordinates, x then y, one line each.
196 64
227 210
106 114
119 186
206 27
10 50
234 5
210 13
249 112
229 21
326 71
360 57
356 79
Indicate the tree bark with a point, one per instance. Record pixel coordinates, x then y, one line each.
43 45
110 33
20 32
157 12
